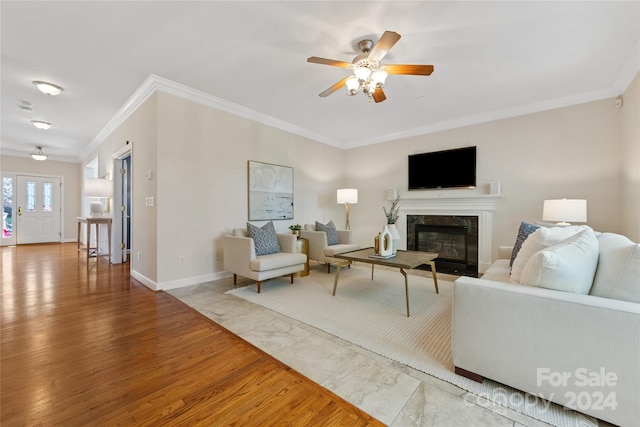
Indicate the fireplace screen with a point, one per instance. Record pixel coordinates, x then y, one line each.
449 242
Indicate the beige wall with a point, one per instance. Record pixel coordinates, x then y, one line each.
202 182
197 156
71 177
631 161
573 152
140 129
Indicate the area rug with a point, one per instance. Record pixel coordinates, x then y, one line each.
372 314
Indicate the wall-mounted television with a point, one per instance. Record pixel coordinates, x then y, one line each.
443 169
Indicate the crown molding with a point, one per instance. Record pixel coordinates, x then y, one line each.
155 83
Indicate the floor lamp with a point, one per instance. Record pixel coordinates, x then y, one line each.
347 196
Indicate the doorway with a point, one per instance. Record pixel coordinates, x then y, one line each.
31 209
122 235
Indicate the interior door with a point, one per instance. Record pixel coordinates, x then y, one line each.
38 209
126 203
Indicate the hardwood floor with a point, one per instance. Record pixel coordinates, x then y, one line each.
87 345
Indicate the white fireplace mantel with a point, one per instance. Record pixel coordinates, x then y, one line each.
481 206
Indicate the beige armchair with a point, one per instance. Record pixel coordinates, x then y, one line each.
240 258
321 251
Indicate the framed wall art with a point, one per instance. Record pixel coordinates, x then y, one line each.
270 191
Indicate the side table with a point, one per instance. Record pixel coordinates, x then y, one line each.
302 247
93 252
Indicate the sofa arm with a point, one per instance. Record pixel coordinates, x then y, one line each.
504 252
287 242
238 253
518 335
317 243
345 236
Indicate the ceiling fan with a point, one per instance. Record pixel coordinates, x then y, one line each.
369 76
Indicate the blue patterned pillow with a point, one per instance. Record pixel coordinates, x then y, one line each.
330 230
523 232
264 238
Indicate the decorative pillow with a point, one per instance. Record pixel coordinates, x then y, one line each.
540 239
618 273
330 230
524 231
568 266
264 238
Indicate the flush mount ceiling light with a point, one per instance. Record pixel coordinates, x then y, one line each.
48 88
37 154
41 124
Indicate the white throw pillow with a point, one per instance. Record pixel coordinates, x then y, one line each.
540 239
618 273
568 266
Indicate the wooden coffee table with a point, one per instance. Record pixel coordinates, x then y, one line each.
403 260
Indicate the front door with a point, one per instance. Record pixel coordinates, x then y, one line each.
37 209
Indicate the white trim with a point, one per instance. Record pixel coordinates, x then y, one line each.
144 280
195 280
155 83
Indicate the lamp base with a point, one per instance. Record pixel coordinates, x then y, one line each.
96 208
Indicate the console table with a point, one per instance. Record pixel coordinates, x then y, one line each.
93 252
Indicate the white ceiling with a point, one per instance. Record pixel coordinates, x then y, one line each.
491 59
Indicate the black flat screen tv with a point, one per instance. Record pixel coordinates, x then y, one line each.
443 169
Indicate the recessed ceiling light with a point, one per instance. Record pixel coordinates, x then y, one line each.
41 125
48 88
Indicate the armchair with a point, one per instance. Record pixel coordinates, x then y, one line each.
240 258
321 251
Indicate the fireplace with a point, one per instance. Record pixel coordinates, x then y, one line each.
453 238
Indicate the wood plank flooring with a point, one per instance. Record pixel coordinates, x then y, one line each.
84 344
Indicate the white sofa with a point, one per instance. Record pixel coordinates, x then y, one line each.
578 350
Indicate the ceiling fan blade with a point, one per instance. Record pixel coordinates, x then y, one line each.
325 61
378 95
417 70
334 88
384 45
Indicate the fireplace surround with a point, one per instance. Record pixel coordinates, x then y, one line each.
480 206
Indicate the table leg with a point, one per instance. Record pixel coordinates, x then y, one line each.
109 239
372 265
79 226
432 264
88 240
406 288
338 268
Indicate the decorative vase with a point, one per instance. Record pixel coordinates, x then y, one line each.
386 243
395 237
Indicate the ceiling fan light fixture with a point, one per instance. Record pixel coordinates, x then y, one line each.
41 124
362 73
48 88
353 85
379 77
37 154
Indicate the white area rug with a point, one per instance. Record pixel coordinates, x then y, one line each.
372 315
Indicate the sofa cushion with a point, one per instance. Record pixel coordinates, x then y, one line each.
523 232
277 260
568 266
264 238
618 273
330 230
540 239
340 248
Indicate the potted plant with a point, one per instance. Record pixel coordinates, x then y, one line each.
295 229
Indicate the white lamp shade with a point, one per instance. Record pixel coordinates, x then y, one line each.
100 188
347 195
565 210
